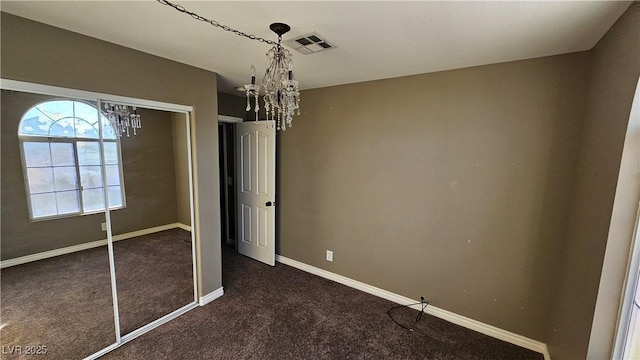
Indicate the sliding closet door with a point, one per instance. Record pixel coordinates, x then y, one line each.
56 299
148 186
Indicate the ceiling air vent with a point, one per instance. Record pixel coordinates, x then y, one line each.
310 43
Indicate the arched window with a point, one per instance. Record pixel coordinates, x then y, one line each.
60 148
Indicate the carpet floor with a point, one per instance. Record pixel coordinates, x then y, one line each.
64 303
154 276
284 313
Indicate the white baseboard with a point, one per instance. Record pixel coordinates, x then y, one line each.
204 300
460 320
89 245
183 226
147 231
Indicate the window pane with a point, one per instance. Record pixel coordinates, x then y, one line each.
115 196
37 154
86 130
87 112
34 123
43 205
62 154
88 153
65 178
108 132
111 153
57 109
68 202
64 127
90 177
113 175
86 120
93 200
40 180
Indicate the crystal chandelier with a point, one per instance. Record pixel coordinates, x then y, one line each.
123 121
281 94
279 87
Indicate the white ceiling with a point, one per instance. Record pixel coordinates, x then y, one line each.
374 39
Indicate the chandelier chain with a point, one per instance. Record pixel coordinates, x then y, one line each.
214 23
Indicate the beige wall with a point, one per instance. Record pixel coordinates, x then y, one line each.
148 173
232 105
477 188
612 82
43 54
450 185
181 163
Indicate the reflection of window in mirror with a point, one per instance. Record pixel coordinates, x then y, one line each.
60 147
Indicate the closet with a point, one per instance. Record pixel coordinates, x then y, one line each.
96 227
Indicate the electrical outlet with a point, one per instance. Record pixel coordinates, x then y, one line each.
329 255
103 226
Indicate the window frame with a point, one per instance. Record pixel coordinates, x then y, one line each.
74 141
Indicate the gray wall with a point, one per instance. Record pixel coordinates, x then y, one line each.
149 175
43 54
612 82
451 185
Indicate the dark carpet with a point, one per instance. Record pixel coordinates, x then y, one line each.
154 276
284 313
64 303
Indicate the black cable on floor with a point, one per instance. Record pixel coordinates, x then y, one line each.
418 318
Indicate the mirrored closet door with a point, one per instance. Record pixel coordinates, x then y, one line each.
148 183
96 238
56 297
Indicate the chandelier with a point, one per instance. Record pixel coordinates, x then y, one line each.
279 88
281 93
123 121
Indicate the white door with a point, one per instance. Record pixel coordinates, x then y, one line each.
256 190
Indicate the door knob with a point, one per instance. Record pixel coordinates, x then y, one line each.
269 203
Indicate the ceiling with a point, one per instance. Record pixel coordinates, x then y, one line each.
373 39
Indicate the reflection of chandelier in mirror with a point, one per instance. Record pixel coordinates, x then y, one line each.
279 88
123 121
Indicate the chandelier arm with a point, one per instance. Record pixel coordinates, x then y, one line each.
216 24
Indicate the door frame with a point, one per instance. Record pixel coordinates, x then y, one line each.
227 120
